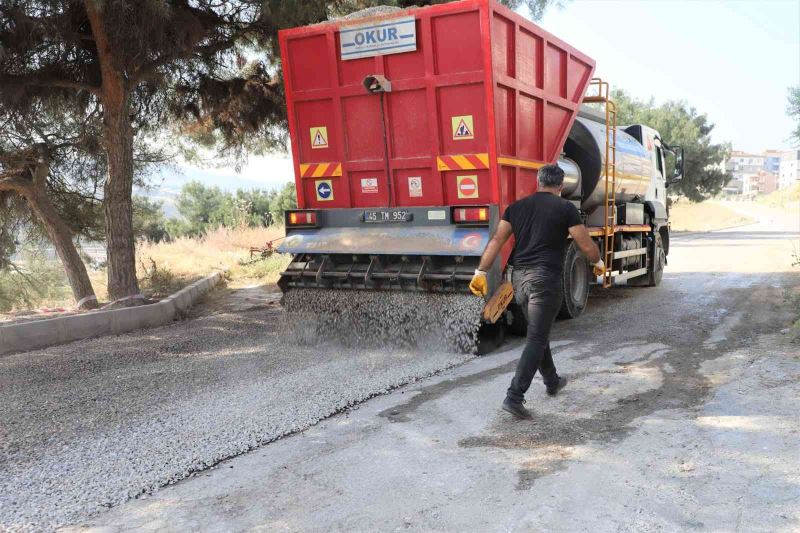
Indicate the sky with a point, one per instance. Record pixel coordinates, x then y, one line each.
733 60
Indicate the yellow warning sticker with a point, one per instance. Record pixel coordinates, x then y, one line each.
467 186
319 137
463 128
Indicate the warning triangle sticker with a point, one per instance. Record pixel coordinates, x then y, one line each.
463 127
463 130
319 137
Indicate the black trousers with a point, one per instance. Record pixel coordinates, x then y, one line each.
538 293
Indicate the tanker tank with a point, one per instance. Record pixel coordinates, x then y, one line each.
585 148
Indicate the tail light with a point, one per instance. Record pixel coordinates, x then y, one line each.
478 216
301 218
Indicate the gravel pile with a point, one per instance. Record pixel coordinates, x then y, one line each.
372 319
91 424
370 12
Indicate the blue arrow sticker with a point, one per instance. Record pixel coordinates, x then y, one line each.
324 190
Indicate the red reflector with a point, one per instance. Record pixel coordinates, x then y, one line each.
302 218
471 214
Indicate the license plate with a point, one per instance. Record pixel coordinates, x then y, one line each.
376 216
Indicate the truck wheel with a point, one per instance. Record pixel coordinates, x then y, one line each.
574 283
656 270
655 267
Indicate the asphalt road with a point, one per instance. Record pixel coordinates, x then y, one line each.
681 414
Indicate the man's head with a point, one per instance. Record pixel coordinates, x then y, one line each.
551 177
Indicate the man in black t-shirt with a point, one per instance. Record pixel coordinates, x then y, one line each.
541 224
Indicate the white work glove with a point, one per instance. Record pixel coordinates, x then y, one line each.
599 268
479 285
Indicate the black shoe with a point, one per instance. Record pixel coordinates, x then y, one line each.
552 390
516 409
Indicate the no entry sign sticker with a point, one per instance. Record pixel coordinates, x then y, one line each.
467 186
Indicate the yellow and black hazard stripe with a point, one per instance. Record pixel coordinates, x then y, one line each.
320 170
522 163
462 162
481 161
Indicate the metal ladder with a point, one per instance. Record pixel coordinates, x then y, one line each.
603 97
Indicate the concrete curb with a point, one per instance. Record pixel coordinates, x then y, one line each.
42 333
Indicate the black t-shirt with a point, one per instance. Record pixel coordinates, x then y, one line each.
541 225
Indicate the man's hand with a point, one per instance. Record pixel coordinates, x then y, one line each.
479 286
599 268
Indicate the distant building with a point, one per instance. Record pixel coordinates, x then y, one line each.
789 171
741 163
772 161
752 173
762 182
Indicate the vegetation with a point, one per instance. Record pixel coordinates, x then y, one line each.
162 268
679 124
205 208
784 198
793 110
47 173
142 69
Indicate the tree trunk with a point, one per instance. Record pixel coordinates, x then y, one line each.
118 204
118 189
61 238
32 188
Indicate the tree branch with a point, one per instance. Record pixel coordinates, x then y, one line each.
14 182
41 80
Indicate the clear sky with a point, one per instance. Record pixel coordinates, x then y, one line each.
733 60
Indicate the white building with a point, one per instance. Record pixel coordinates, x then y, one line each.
741 163
789 173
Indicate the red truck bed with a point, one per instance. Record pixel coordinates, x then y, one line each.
480 99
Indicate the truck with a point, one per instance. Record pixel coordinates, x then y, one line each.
412 131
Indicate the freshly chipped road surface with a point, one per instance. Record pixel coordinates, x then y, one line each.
91 424
681 413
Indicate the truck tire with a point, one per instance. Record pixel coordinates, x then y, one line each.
655 267
574 283
655 271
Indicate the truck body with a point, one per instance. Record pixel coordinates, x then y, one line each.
414 130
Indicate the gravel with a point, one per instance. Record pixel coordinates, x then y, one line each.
91 424
370 12
375 319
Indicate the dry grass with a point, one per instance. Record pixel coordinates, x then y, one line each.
165 268
222 249
788 198
705 216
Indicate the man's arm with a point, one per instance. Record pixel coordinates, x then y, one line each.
495 245
479 285
584 241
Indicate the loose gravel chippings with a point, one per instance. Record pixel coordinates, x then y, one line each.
88 425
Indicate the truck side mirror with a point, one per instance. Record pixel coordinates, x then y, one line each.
677 175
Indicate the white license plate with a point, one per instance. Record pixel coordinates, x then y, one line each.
377 216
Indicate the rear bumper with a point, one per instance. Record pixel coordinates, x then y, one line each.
427 253
430 233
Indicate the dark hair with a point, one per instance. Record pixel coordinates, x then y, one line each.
551 176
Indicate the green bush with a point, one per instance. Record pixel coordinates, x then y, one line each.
33 281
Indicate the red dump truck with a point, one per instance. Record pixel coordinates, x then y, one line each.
412 131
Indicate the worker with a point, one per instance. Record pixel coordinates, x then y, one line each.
540 224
